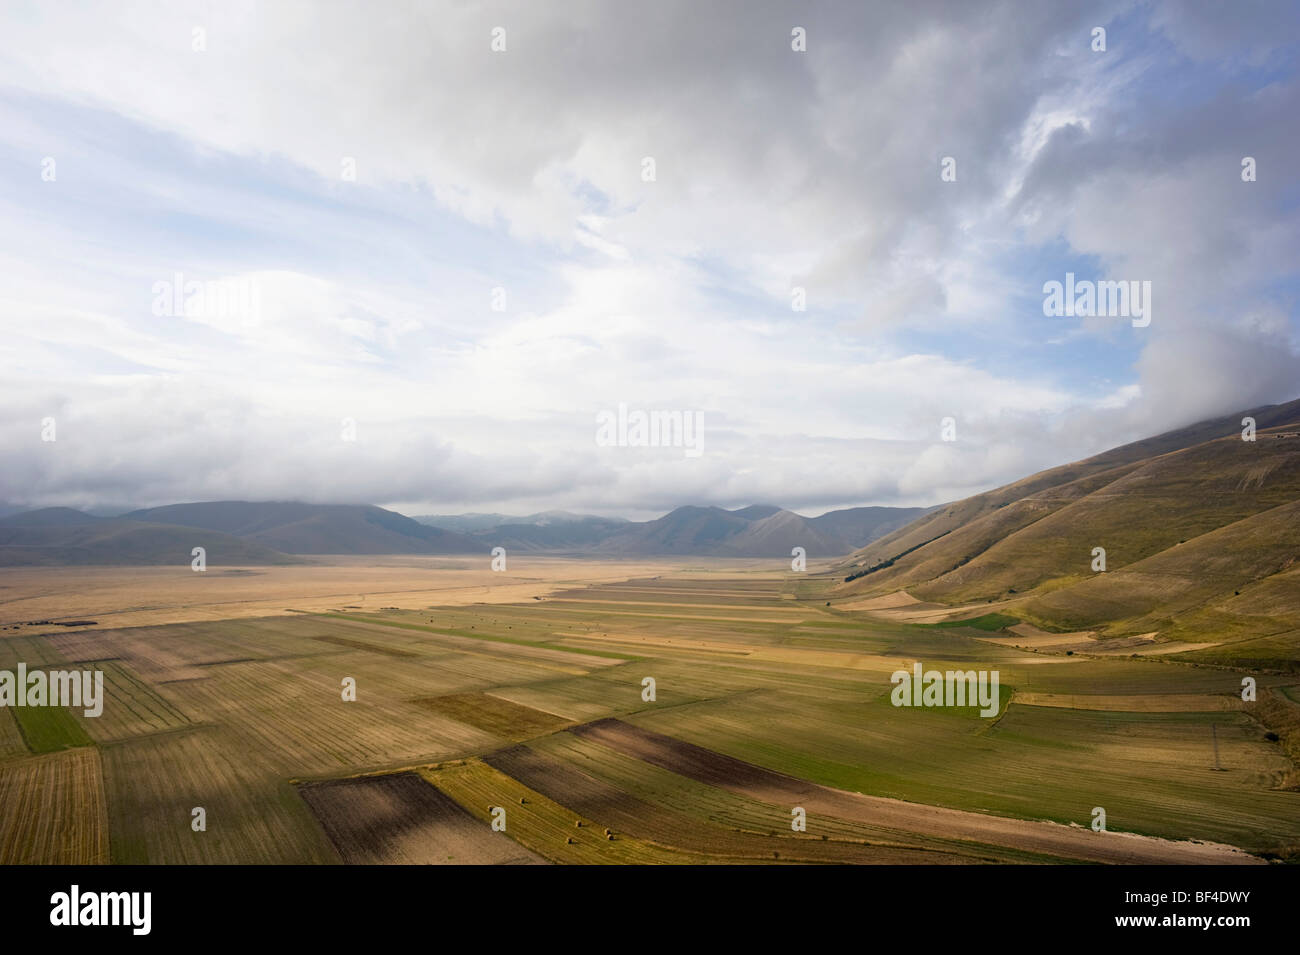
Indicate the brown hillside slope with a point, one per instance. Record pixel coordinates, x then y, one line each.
1198 539
1101 468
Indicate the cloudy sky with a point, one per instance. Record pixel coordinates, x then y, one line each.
458 258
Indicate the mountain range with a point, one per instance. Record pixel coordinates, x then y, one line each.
1196 527
231 532
277 532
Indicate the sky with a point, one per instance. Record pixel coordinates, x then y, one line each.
451 236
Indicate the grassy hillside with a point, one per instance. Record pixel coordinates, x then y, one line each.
1046 489
1197 529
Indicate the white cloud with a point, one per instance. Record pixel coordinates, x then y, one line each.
774 169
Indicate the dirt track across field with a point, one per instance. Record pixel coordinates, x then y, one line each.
734 775
587 796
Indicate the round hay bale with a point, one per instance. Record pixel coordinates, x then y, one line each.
610 836
578 823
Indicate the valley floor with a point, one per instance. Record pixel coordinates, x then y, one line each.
504 717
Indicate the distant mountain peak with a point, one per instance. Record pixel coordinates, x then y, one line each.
756 512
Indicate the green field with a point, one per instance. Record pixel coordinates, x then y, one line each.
48 729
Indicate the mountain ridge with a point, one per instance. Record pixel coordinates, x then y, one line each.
1172 535
276 531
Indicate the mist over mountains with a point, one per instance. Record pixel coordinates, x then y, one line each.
1139 501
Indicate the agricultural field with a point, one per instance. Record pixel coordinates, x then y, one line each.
398 818
54 809
366 729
